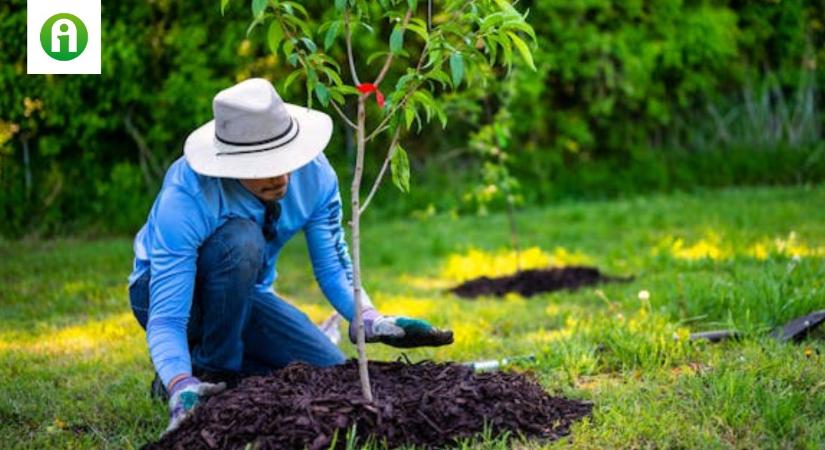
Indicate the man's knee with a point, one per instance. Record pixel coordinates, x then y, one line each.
236 245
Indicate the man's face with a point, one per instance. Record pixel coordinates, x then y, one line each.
267 189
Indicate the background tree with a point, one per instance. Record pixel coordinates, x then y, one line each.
492 145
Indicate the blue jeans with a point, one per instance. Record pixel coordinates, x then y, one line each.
234 327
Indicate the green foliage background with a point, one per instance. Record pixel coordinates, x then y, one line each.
629 97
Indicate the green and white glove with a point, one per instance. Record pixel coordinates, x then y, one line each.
401 332
185 396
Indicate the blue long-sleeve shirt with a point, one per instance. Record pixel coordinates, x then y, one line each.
190 207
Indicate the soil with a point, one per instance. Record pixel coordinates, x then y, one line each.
425 404
531 282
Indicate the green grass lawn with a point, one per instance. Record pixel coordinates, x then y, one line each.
74 367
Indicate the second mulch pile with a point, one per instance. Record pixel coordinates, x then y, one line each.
424 404
531 282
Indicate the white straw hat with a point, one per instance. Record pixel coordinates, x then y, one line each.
255 134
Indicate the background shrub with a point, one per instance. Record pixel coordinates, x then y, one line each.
629 97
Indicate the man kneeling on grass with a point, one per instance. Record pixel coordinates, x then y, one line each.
205 260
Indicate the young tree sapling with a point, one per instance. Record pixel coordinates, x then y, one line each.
464 41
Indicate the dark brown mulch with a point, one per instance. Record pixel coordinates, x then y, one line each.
531 282
425 404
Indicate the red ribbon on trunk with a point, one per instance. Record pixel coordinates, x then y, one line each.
368 88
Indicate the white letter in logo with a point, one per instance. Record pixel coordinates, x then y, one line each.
61 28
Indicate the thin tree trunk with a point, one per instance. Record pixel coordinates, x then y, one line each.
356 250
511 217
350 138
27 170
152 171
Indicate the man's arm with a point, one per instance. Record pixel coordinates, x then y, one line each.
179 229
333 270
330 256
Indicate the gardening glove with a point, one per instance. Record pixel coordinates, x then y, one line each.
330 328
185 395
401 332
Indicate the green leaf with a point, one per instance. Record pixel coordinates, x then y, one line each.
305 28
295 74
255 22
491 47
457 68
337 97
403 80
332 33
274 36
223 5
332 75
522 48
322 93
409 115
340 5
376 55
327 60
440 76
423 97
505 5
413 4
419 30
287 5
426 100
420 22
506 50
400 166
442 116
289 46
258 7
397 39
311 82
491 21
520 25
309 44
347 90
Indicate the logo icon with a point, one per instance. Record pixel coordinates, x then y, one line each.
64 37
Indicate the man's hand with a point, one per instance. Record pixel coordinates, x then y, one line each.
185 395
401 332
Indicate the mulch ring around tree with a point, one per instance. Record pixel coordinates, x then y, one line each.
531 282
425 404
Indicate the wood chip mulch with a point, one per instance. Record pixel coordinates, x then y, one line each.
425 404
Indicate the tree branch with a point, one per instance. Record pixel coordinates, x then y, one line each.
388 62
151 169
384 123
386 164
343 116
382 126
348 36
